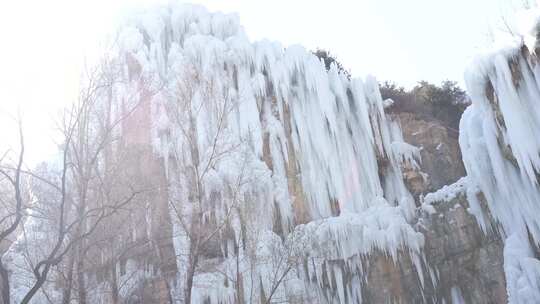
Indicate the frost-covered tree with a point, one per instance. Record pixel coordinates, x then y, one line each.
13 204
105 190
209 164
72 197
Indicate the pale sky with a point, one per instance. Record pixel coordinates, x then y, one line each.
44 44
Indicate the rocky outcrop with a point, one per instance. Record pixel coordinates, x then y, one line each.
461 254
335 159
327 211
439 149
391 282
461 262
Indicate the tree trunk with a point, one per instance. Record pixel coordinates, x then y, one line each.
189 278
169 292
80 275
4 276
66 295
81 252
40 281
239 278
114 285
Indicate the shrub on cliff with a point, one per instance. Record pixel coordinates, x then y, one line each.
445 103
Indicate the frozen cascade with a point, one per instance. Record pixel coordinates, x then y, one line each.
500 143
303 164
320 151
301 160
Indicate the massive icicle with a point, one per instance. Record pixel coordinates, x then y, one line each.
320 150
500 142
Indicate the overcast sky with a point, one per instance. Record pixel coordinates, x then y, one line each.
44 43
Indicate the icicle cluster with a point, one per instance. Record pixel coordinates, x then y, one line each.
500 143
311 146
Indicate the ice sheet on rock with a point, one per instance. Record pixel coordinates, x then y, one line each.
299 126
500 143
464 186
406 153
293 78
337 246
447 193
387 103
522 270
457 297
381 227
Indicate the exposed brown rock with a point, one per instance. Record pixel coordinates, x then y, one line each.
416 181
301 211
462 254
439 150
458 254
393 282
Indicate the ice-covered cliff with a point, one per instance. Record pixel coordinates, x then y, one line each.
320 162
500 142
270 178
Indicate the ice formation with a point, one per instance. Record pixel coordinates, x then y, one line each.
313 149
304 167
500 143
447 193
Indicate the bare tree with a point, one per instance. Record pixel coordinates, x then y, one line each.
256 250
285 259
75 220
74 201
97 171
12 206
201 104
505 24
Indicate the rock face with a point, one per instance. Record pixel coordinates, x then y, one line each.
462 255
390 282
337 206
461 262
464 261
439 149
334 163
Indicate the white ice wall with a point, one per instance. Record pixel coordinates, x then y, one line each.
500 143
339 136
